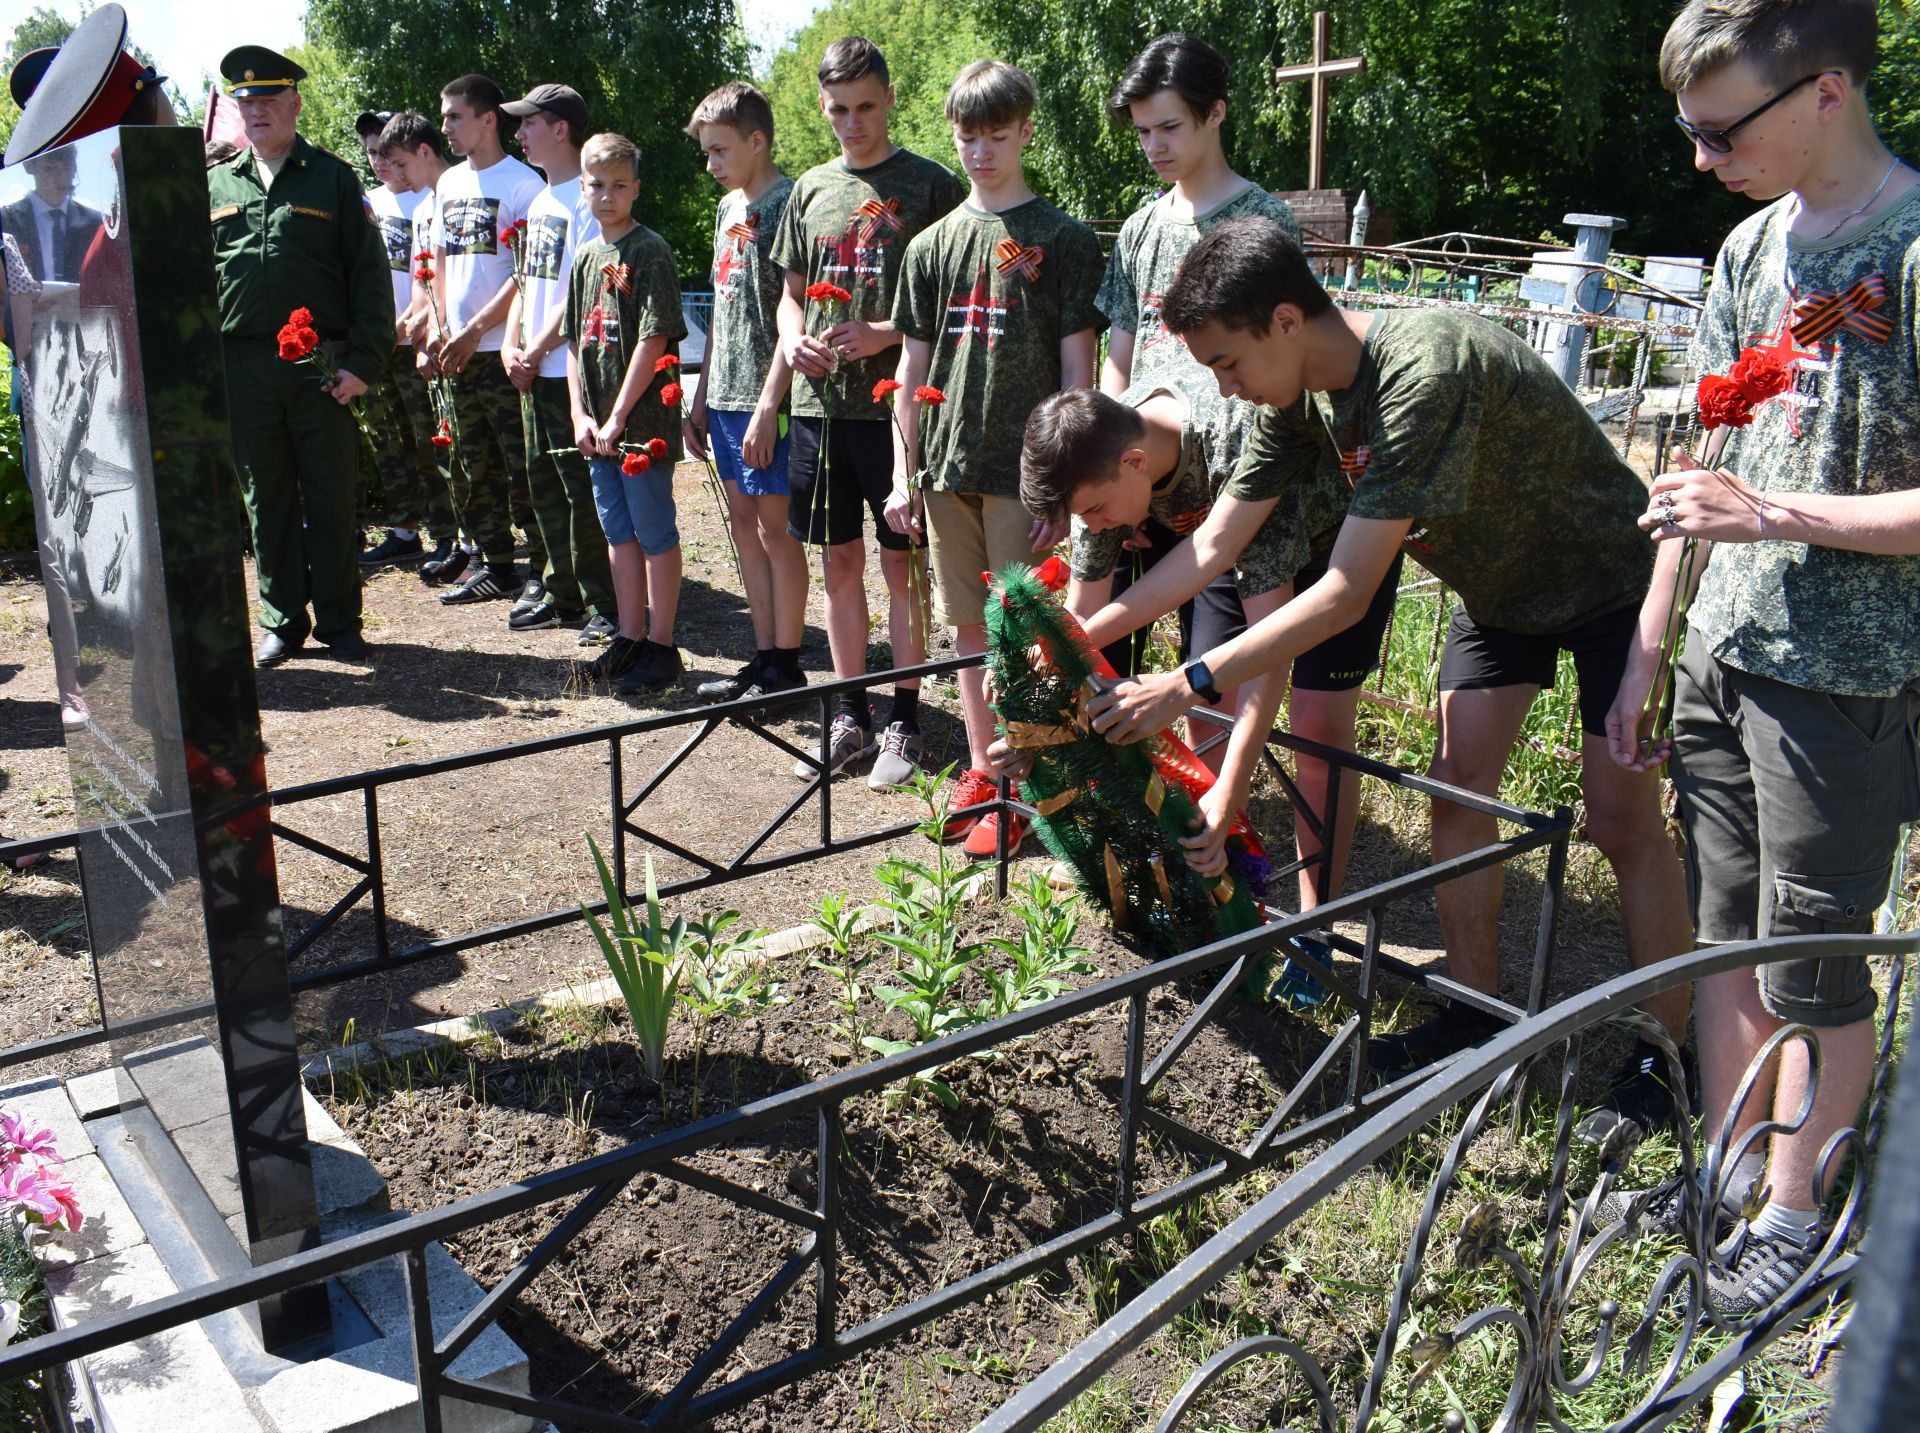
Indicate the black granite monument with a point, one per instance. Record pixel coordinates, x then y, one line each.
141 535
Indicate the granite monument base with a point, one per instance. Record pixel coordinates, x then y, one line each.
152 1231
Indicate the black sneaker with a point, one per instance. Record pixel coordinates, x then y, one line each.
483 584
540 616
447 564
1440 1038
598 632
1758 1271
728 689
614 662
393 548
532 593
1642 1096
655 669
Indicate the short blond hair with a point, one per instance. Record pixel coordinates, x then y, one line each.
1784 40
610 149
735 103
988 93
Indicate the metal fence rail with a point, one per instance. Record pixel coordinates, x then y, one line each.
1546 1288
1339 1076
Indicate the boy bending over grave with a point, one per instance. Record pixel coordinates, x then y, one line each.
1464 448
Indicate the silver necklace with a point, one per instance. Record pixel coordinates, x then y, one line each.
1879 189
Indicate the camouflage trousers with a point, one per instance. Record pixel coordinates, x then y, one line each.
490 484
416 478
578 575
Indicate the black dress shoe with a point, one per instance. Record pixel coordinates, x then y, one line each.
344 646
446 565
275 649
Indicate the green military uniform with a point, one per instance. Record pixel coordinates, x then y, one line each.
300 240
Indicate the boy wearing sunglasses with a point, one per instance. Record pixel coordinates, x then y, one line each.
1795 702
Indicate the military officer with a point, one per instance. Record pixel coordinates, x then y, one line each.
291 231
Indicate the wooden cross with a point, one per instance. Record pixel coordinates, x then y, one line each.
1318 72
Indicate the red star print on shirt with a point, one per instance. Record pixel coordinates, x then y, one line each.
733 257
600 327
977 313
838 254
1152 331
1804 362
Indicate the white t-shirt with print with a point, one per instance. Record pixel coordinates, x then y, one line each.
393 216
559 221
474 206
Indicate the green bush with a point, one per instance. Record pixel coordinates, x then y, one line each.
16 502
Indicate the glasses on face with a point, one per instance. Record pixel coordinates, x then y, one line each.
1720 141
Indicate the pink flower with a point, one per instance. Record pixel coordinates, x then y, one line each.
47 1198
22 1139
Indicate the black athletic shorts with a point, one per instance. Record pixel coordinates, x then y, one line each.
1477 658
859 475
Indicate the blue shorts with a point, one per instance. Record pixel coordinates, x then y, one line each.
635 509
727 441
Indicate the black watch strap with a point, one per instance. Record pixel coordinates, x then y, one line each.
1201 680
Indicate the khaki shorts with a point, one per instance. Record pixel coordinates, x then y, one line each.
973 533
1793 801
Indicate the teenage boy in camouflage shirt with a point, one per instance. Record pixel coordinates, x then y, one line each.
740 404
1173 97
848 223
1462 445
1164 450
995 308
1795 703
624 322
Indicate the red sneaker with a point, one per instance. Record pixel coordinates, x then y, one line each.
973 788
983 841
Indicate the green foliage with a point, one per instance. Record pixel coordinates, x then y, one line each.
329 103
16 500
1044 955
644 960
725 978
1894 91
846 961
925 43
642 65
23 1401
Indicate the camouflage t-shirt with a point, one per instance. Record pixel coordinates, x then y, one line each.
1840 622
1213 430
993 294
1519 503
622 294
1147 255
851 227
745 332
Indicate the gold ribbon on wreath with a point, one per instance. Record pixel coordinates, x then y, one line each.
1116 889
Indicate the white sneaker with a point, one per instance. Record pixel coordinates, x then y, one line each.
899 758
847 742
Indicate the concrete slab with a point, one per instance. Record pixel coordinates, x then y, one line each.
345 1180
140 1386
45 1103
104 1092
370 1390
110 1226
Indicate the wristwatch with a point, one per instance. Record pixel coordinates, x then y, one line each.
1201 680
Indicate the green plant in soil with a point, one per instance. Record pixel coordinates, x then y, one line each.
724 977
1044 954
846 961
643 959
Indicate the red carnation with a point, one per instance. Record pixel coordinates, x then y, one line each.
927 393
824 292
424 256
666 363
670 395
634 464
1723 403
657 449
884 387
444 438
424 274
289 348
1760 375
297 342
300 318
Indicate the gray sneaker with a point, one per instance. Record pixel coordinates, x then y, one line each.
1759 1271
847 742
899 758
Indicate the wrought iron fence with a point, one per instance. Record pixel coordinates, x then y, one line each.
1332 1092
1702 1343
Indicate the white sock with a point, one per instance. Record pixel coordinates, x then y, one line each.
1787 1226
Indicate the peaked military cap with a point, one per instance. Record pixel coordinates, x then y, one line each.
256 70
85 86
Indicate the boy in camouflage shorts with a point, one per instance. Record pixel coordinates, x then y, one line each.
1458 442
1163 451
1795 703
995 307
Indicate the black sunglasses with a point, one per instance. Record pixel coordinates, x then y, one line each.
1720 141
